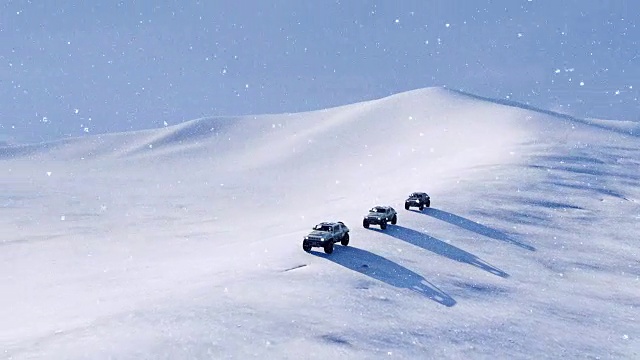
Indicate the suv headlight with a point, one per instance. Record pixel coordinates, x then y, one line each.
321 239
306 238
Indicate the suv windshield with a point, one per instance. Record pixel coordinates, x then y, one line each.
377 210
322 228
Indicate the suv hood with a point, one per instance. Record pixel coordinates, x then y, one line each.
375 215
318 234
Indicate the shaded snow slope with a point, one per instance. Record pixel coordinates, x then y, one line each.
185 241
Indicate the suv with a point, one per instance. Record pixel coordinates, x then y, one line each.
326 234
417 199
380 215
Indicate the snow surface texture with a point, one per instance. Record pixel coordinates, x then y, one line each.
185 241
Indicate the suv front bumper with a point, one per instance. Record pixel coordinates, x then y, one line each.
375 220
316 242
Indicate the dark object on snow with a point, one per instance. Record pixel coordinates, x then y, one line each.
326 234
417 199
380 215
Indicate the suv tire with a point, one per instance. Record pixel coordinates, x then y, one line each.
345 240
328 248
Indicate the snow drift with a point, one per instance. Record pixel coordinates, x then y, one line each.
185 241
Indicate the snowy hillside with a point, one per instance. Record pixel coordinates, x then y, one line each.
185 241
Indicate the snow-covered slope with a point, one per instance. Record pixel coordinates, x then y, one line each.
185 241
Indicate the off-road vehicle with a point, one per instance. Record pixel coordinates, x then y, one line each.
326 234
380 215
417 199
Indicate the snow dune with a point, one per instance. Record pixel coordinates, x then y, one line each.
185 241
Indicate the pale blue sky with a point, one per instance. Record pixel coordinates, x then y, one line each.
70 65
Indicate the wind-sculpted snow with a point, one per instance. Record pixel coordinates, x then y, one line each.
185 241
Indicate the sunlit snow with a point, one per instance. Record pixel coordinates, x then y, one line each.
529 249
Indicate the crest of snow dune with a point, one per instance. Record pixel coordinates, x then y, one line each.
185 241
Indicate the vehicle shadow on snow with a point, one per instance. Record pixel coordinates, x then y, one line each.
474 226
440 247
387 271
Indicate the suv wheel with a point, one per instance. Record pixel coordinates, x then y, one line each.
383 224
345 240
328 248
394 219
428 204
305 246
421 207
406 206
365 223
